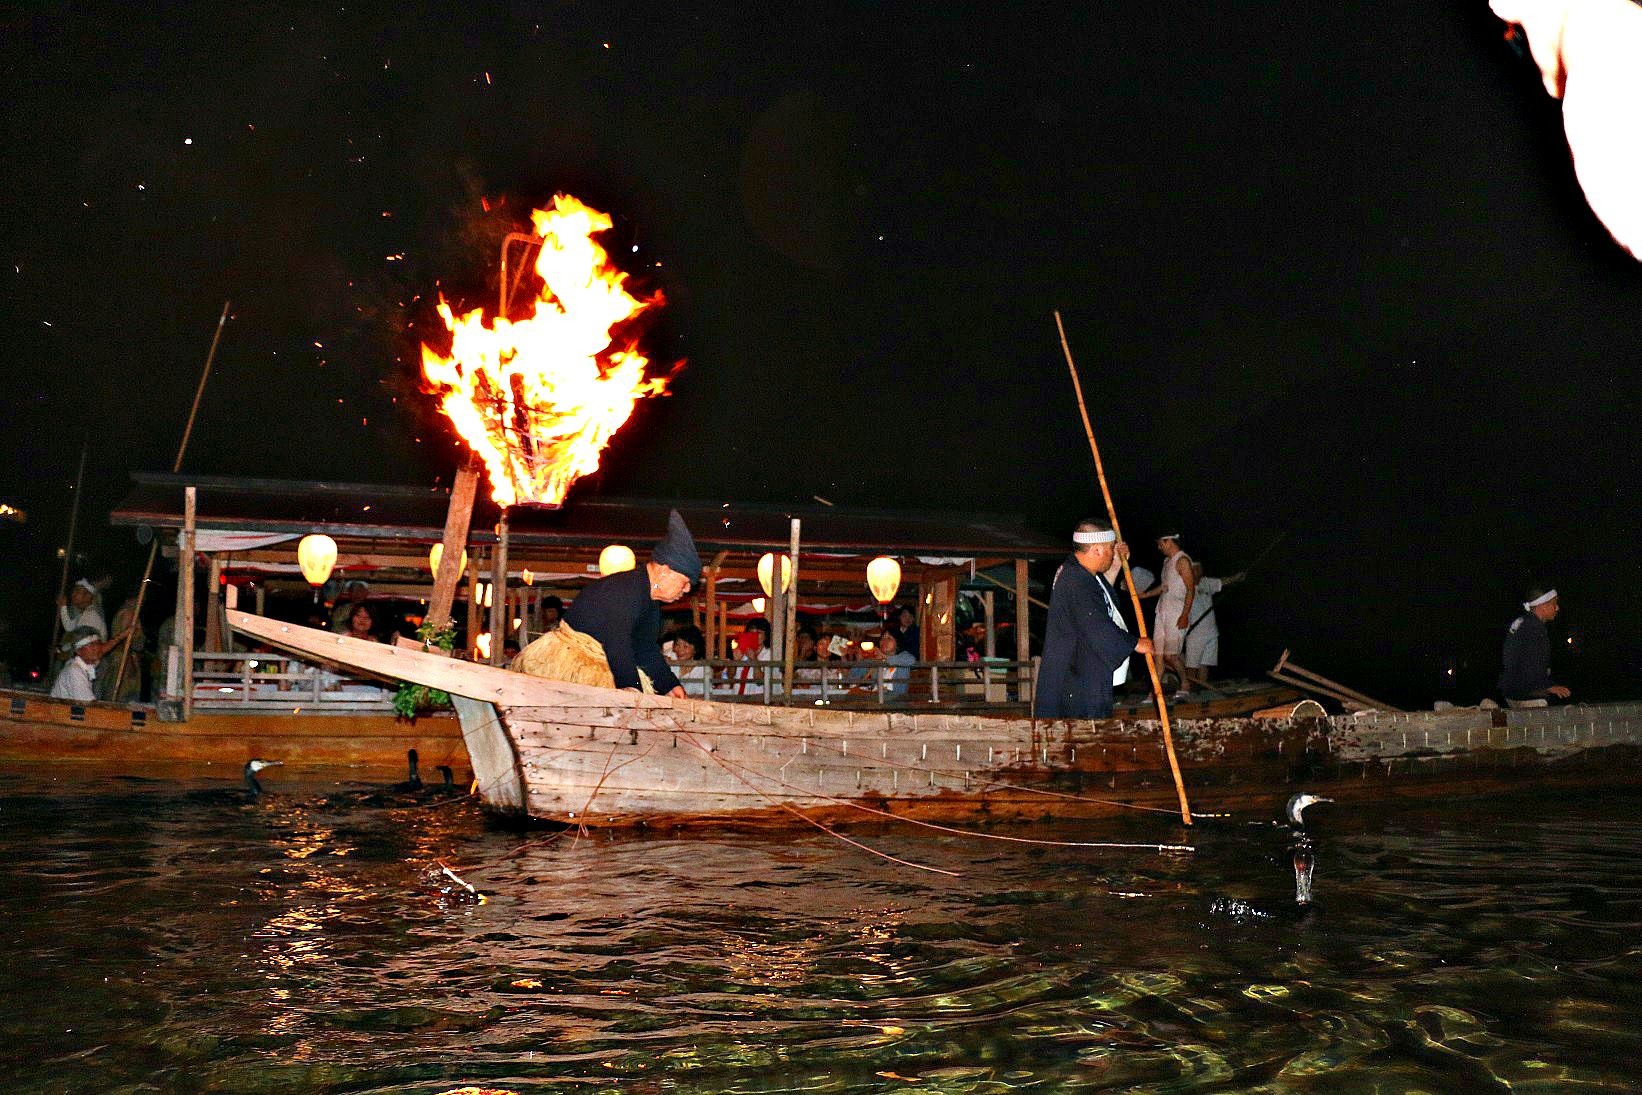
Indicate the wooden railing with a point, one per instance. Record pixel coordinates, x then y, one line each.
243 681
994 683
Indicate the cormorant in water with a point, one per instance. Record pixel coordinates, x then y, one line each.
414 783
1300 853
252 767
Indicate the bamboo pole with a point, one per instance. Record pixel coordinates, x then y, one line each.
789 625
985 577
184 628
176 466
68 556
1140 620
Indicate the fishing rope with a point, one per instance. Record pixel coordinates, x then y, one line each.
581 826
795 812
1180 848
999 785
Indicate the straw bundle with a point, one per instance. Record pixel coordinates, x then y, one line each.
565 654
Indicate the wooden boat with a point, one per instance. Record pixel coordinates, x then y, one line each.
35 728
586 755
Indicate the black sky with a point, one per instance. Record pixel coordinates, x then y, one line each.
1326 271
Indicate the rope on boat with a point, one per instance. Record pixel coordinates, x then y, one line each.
606 774
800 815
821 744
1164 848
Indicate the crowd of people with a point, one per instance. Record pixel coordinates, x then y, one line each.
1088 643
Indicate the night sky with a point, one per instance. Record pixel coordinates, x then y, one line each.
1326 271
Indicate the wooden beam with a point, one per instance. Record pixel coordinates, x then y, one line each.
458 515
790 609
213 605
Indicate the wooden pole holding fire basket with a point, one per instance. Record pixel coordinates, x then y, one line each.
1134 596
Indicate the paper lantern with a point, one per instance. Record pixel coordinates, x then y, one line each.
766 572
884 578
615 559
438 553
526 577
758 604
316 554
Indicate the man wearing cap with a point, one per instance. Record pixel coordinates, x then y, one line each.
76 680
1525 679
1086 646
623 611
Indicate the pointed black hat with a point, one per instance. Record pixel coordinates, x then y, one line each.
678 549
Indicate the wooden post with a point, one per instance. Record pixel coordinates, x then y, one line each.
723 629
790 620
1128 580
943 648
262 599
988 600
498 593
457 517
712 630
473 601
1023 615
183 628
213 606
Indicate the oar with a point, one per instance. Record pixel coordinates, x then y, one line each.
1140 621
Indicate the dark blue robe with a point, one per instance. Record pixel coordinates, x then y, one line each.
620 613
1526 672
1082 647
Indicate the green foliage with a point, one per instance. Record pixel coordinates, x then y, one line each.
412 699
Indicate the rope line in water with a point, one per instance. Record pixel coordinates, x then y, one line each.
795 812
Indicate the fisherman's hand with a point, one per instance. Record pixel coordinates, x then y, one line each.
62 600
1143 646
1558 691
678 692
1185 620
632 688
1122 551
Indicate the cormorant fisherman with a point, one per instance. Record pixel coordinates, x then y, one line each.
623 611
1525 678
1086 645
75 681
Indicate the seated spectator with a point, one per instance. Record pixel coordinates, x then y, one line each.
897 678
353 595
361 623
688 644
904 625
552 613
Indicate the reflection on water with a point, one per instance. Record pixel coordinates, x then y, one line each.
173 939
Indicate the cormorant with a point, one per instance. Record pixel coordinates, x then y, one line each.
252 767
1300 853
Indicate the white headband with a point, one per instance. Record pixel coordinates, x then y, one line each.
86 640
85 585
1095 536
1548 595
1175 536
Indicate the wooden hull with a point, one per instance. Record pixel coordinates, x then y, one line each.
579 754
37 729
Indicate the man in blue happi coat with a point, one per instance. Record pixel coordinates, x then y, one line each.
623 610
1086 645
1525 676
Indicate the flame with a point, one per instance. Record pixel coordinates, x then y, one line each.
538 398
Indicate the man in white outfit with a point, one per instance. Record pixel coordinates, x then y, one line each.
1202 646
76 680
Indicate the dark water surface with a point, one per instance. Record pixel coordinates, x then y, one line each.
178 939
